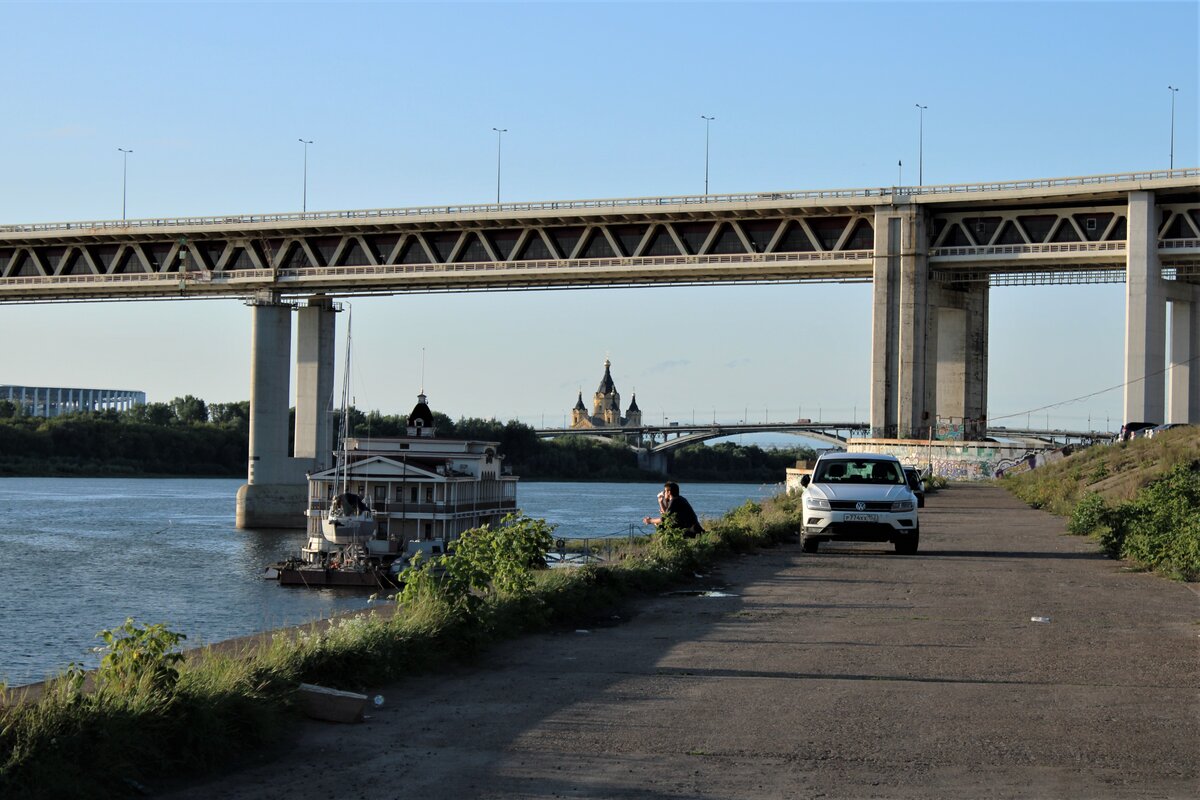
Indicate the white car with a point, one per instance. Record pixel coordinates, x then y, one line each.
859 497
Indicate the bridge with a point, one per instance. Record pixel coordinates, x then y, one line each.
1059 230
665 438
932 254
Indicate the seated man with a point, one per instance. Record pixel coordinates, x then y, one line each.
677 512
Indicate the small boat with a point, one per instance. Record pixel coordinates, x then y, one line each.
349 521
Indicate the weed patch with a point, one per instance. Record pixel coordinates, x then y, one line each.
1140 500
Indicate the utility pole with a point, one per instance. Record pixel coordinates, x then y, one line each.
1174 91
304 195
124 174
921 146
499 135
707 121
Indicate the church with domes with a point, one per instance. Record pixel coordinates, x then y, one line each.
606 407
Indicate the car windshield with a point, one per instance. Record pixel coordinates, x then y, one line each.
865 471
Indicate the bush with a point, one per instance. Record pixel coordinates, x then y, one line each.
1089 514
1161 527
482 562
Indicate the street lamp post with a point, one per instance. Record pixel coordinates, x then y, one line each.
921 146
124 174
304 196
707 122
499 136
1174 91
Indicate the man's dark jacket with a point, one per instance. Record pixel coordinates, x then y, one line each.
683 516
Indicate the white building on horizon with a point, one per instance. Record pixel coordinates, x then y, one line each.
55 401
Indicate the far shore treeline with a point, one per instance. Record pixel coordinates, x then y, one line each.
188 437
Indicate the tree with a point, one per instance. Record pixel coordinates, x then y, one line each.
230 414
8 409
190 410
152 413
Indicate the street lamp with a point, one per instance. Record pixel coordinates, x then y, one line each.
304 197
707 122
921 146
124 174
1174 91
499 135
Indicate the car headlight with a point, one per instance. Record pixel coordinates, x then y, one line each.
903 505
816 503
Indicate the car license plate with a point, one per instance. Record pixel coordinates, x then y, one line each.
861 518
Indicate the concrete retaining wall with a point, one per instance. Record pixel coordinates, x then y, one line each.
956 461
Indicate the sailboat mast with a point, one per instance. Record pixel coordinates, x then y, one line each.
344 461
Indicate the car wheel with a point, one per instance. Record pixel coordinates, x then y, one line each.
809 544
907 545
920 501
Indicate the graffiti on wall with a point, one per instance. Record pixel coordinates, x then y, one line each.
1033 461
959 460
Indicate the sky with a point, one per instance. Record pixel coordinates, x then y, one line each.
599 100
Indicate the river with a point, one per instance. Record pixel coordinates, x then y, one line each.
83 554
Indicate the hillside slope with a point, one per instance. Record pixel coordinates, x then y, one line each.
1139 499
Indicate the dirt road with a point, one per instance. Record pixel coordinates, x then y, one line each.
851 673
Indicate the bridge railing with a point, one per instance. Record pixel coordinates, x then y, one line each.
170 279
581 205
383 270
1033 249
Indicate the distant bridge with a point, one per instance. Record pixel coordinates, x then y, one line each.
666 438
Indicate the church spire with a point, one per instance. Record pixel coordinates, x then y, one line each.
606 383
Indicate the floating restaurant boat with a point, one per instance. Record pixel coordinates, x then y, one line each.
418 493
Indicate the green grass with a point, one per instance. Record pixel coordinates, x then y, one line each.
1140 499
147 713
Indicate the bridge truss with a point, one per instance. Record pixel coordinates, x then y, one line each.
1058 231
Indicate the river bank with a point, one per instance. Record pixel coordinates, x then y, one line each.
849 673
221 707
88 553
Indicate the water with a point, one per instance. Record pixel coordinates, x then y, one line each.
82 554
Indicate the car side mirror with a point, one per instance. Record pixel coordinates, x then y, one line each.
805 480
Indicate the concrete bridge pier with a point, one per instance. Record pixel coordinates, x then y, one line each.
960 325
902 401
275 493
652 461
1148 396
1183 373
929 338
